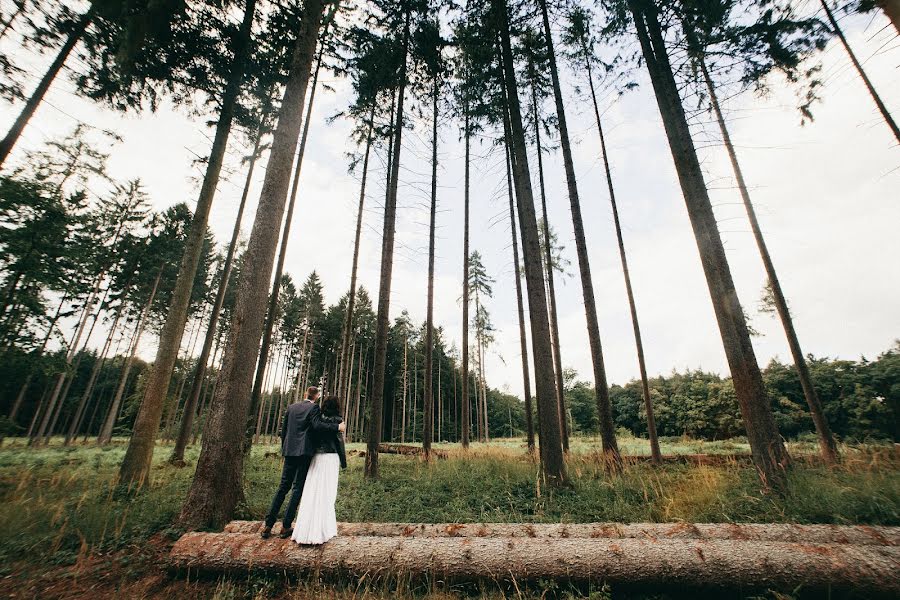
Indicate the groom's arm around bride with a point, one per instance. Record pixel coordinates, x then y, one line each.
298 446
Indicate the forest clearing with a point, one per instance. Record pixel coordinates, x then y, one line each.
72 534
449 299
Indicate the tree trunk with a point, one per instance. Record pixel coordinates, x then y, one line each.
190 409
344 393
135 468
464 384
106 433
523 341
769 453
405 399
860 535
638 340
216 487
70 357
428 402
20 397
37 411
551 285
272 313
387 265
552 459
12 136
710 565
885 113
827 445
604 408
72 433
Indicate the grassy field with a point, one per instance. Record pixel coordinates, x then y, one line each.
62 526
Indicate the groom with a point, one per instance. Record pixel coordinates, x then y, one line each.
298 447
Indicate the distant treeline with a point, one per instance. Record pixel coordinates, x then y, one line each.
861 401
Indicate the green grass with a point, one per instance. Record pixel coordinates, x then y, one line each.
58 507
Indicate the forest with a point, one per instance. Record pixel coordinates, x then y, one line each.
152 345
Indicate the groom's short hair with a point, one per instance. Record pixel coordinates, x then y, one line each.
311 392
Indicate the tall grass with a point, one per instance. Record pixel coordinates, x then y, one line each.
58 503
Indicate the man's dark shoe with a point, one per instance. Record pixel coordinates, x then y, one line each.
285 534
266 533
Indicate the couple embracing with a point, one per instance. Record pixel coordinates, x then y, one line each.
313 449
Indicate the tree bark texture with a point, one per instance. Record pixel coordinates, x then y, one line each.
702 564
382 326
862 535
769 453
827 444
135 468
216 488
550 447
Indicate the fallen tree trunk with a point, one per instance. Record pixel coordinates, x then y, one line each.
402 449
693 459
863 535
709 564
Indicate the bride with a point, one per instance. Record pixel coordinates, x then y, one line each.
317 523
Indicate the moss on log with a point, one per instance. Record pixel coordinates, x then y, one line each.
692 563
864 535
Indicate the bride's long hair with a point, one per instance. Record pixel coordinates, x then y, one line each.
331 406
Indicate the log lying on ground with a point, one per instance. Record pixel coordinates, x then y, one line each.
864 535
716 564
693 459
402 449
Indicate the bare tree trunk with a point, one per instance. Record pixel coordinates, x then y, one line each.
710 565
387 264
351 298
768 450
440 404
135 468
484 396
405 390
271 315
827 445
523 341
193 338
39 409
551 285
20 397
216 489
428 401
464 385
70 357
95 372
638 341
190 409
885 113
552 459
604 408
859 535
106 433
12 136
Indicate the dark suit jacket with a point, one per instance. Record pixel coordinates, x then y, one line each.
301 420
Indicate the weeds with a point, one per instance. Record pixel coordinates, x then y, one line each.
58 504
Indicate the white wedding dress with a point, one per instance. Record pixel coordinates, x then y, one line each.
316 520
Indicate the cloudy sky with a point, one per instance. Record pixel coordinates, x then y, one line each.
827 195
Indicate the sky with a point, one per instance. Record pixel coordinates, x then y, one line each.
827 195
